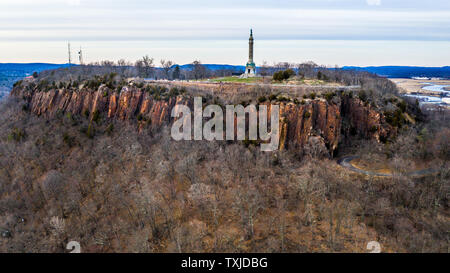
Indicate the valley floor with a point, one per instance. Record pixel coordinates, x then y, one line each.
411 85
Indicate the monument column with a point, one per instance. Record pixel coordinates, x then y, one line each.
250 68
250 47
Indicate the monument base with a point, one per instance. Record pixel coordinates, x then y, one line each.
245 75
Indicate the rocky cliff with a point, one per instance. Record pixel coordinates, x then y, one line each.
319 119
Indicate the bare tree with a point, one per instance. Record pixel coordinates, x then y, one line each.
167 66
107 63
307 70
124 65
264 69
199 70
145 67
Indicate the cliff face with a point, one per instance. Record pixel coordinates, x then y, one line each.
127 105
317 118
365 121
298 123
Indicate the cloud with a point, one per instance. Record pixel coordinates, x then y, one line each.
373 2
73 2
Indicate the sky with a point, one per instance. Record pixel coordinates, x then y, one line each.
328 32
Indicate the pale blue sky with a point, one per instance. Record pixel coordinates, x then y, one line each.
330 32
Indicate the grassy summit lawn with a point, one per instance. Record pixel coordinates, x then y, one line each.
238 80
292 81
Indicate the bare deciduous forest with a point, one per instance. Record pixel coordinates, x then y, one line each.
117 190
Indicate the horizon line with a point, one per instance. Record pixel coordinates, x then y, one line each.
72 64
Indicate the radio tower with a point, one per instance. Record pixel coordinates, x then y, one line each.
70 57
80 56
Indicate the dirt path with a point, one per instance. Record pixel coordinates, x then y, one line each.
346 163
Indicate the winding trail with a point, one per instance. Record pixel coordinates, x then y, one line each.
346 163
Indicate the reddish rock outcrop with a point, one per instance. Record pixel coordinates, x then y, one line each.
298 122
364 120
317 118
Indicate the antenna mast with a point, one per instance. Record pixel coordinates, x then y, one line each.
70 57
80 56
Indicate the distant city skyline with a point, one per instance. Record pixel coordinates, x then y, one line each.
328 32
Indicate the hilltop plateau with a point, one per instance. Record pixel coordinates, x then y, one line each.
89 157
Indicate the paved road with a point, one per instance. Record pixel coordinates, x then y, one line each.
346 163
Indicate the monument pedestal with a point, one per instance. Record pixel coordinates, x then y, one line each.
250 70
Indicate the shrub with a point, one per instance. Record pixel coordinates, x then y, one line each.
288 73
395 118
319 75
329 96
18 83
278 76
110 129
173 92
283 75
17 135
373 129
248 142
90 133
322 76
245 103
43 85
362 96
312 95
262 99
70 118
402 105
96 116
283 99
68 140
94 84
